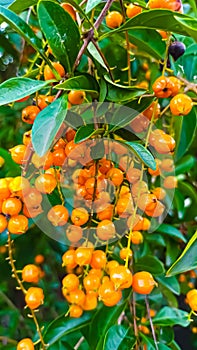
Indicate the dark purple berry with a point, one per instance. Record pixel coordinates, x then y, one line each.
176 49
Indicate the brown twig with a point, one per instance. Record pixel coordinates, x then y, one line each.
151 322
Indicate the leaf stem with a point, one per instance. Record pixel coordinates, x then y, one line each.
151 322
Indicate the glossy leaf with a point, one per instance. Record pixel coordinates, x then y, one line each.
119 93
187 260
148 41
62 326
47 124
142 153
189 191
119 337
151 264
102 321
16 88
170 283
171 231
179 204
18 6
184 132
96 55
91 4
60 31
184 164
80 82
10 168
85 132
159 19
169 316
22 28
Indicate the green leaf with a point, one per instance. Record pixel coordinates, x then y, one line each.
125 114
10 168
119 337
120 93
185 128
159 19
171 231
16 88
151 264
189 192
142 153
170 283
179 204
187 260
184 164
80 82
62 326
60 31
91 4
169 316
47 124
22 28
85 132
189 25
19 6
101 322
149 41
96 55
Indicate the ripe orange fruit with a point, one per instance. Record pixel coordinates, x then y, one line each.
68 259
31 273
58 215
32 198
159 192
133 10
43 101
108 294
25 344
165 144
68 8
116 176
29 114
83 256
143 282
163 87
34 297
91 282
18 153
79 216
90 301
157 211
181 104
157 171
32 212
114 19
19 186
124 252
18 224
44 162
136 237
27 137
76 97
174 5
98 260
4 189
139 123
74 233
147 201
75 311
167 165
153 108
170 182
121 276
133 175
59 157
105 230
176 85
139 188
48 74
39 259
11 206
45 183
77 297
70 282
111 265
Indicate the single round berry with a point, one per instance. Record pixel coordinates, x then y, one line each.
143 282
181 104
177 49
25 344
114 19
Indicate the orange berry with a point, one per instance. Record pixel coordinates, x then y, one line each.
157 171
31 273
58 215
167 165
76 97
32 212
79 216
108 294
114 19
44 162
116 176
91 282
133 175
174 5
3 223
136 237
147 201
105 230
34 297
74 233
90 301
39 259
163 87
68 8
43 101
19 186
68 259
27 137
112 264
98 260
4 189
25 344
143 282
48 74
176 85
70 282
163 34
106 214
75 311
11 206
45 183
18 153
77 297
124 206
133 10
29 114
18 224
32 198
124 252
159 192
121 276
153 109
181 104
165 144
157 211
59 157
139 123
139 188
170 182
83 256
